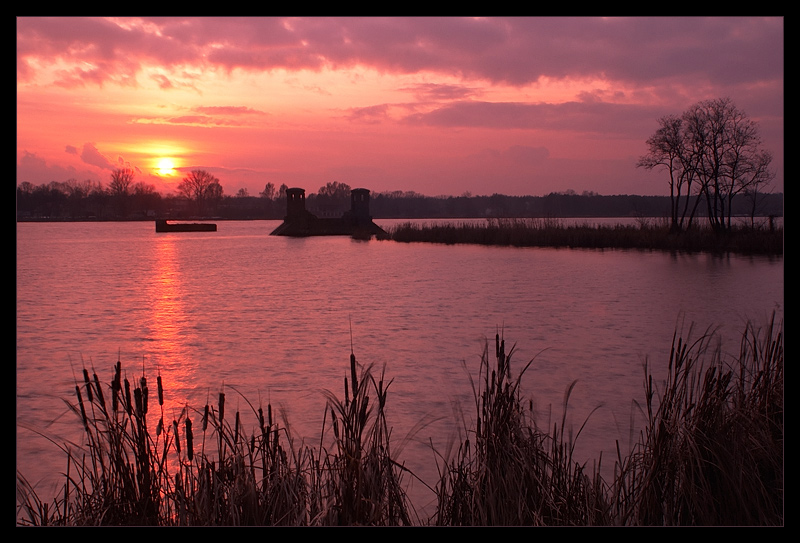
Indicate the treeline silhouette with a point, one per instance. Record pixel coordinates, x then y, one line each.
54 201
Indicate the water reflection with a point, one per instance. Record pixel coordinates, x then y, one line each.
168 315
169 327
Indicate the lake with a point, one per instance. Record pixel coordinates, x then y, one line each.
273 319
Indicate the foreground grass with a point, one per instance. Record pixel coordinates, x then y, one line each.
711 453
552 233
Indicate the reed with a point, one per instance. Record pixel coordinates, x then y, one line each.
128 474
553 233
512 473
364 482
710 453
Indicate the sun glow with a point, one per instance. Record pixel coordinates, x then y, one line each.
166 167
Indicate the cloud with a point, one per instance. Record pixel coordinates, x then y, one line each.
208 116
34 169
585 117
515 50
228 110
439 92
370 114
90 155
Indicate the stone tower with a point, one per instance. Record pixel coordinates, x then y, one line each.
295 203
359 205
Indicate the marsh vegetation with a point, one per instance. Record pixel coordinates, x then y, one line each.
710 453
646 235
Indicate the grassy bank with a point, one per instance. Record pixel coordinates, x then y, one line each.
553 233
711 453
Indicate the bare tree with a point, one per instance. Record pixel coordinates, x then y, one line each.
121 181
713 150
668 151
202 188
268 192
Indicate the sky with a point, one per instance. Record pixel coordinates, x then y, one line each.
438 106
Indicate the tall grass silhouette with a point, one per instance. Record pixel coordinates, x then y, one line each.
711 453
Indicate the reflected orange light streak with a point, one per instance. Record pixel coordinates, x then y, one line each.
170 330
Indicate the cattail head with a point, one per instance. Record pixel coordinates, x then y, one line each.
221 406
83 409
137 394
353 374
88 385
177 437
129 405
99 391
116 386
335 423
205 418
189 439
160 391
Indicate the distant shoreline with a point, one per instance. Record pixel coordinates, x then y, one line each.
649 234
386 218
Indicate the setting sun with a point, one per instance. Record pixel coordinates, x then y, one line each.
166 166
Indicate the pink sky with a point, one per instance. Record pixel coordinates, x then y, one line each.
440 106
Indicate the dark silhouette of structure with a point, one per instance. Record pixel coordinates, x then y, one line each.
300 222
163 226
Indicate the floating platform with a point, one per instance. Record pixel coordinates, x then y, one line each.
164 226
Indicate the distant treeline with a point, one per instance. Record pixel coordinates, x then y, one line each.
57 201
562 204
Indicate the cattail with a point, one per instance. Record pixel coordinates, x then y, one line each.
335 424
221 407
137 394
128 396
83 409
160 391
205 418
189 439
88 384
159 426
177 437
144 394
99 391
236 430
116 386
353 374
362 419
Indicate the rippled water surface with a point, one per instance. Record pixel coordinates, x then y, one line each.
272 319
